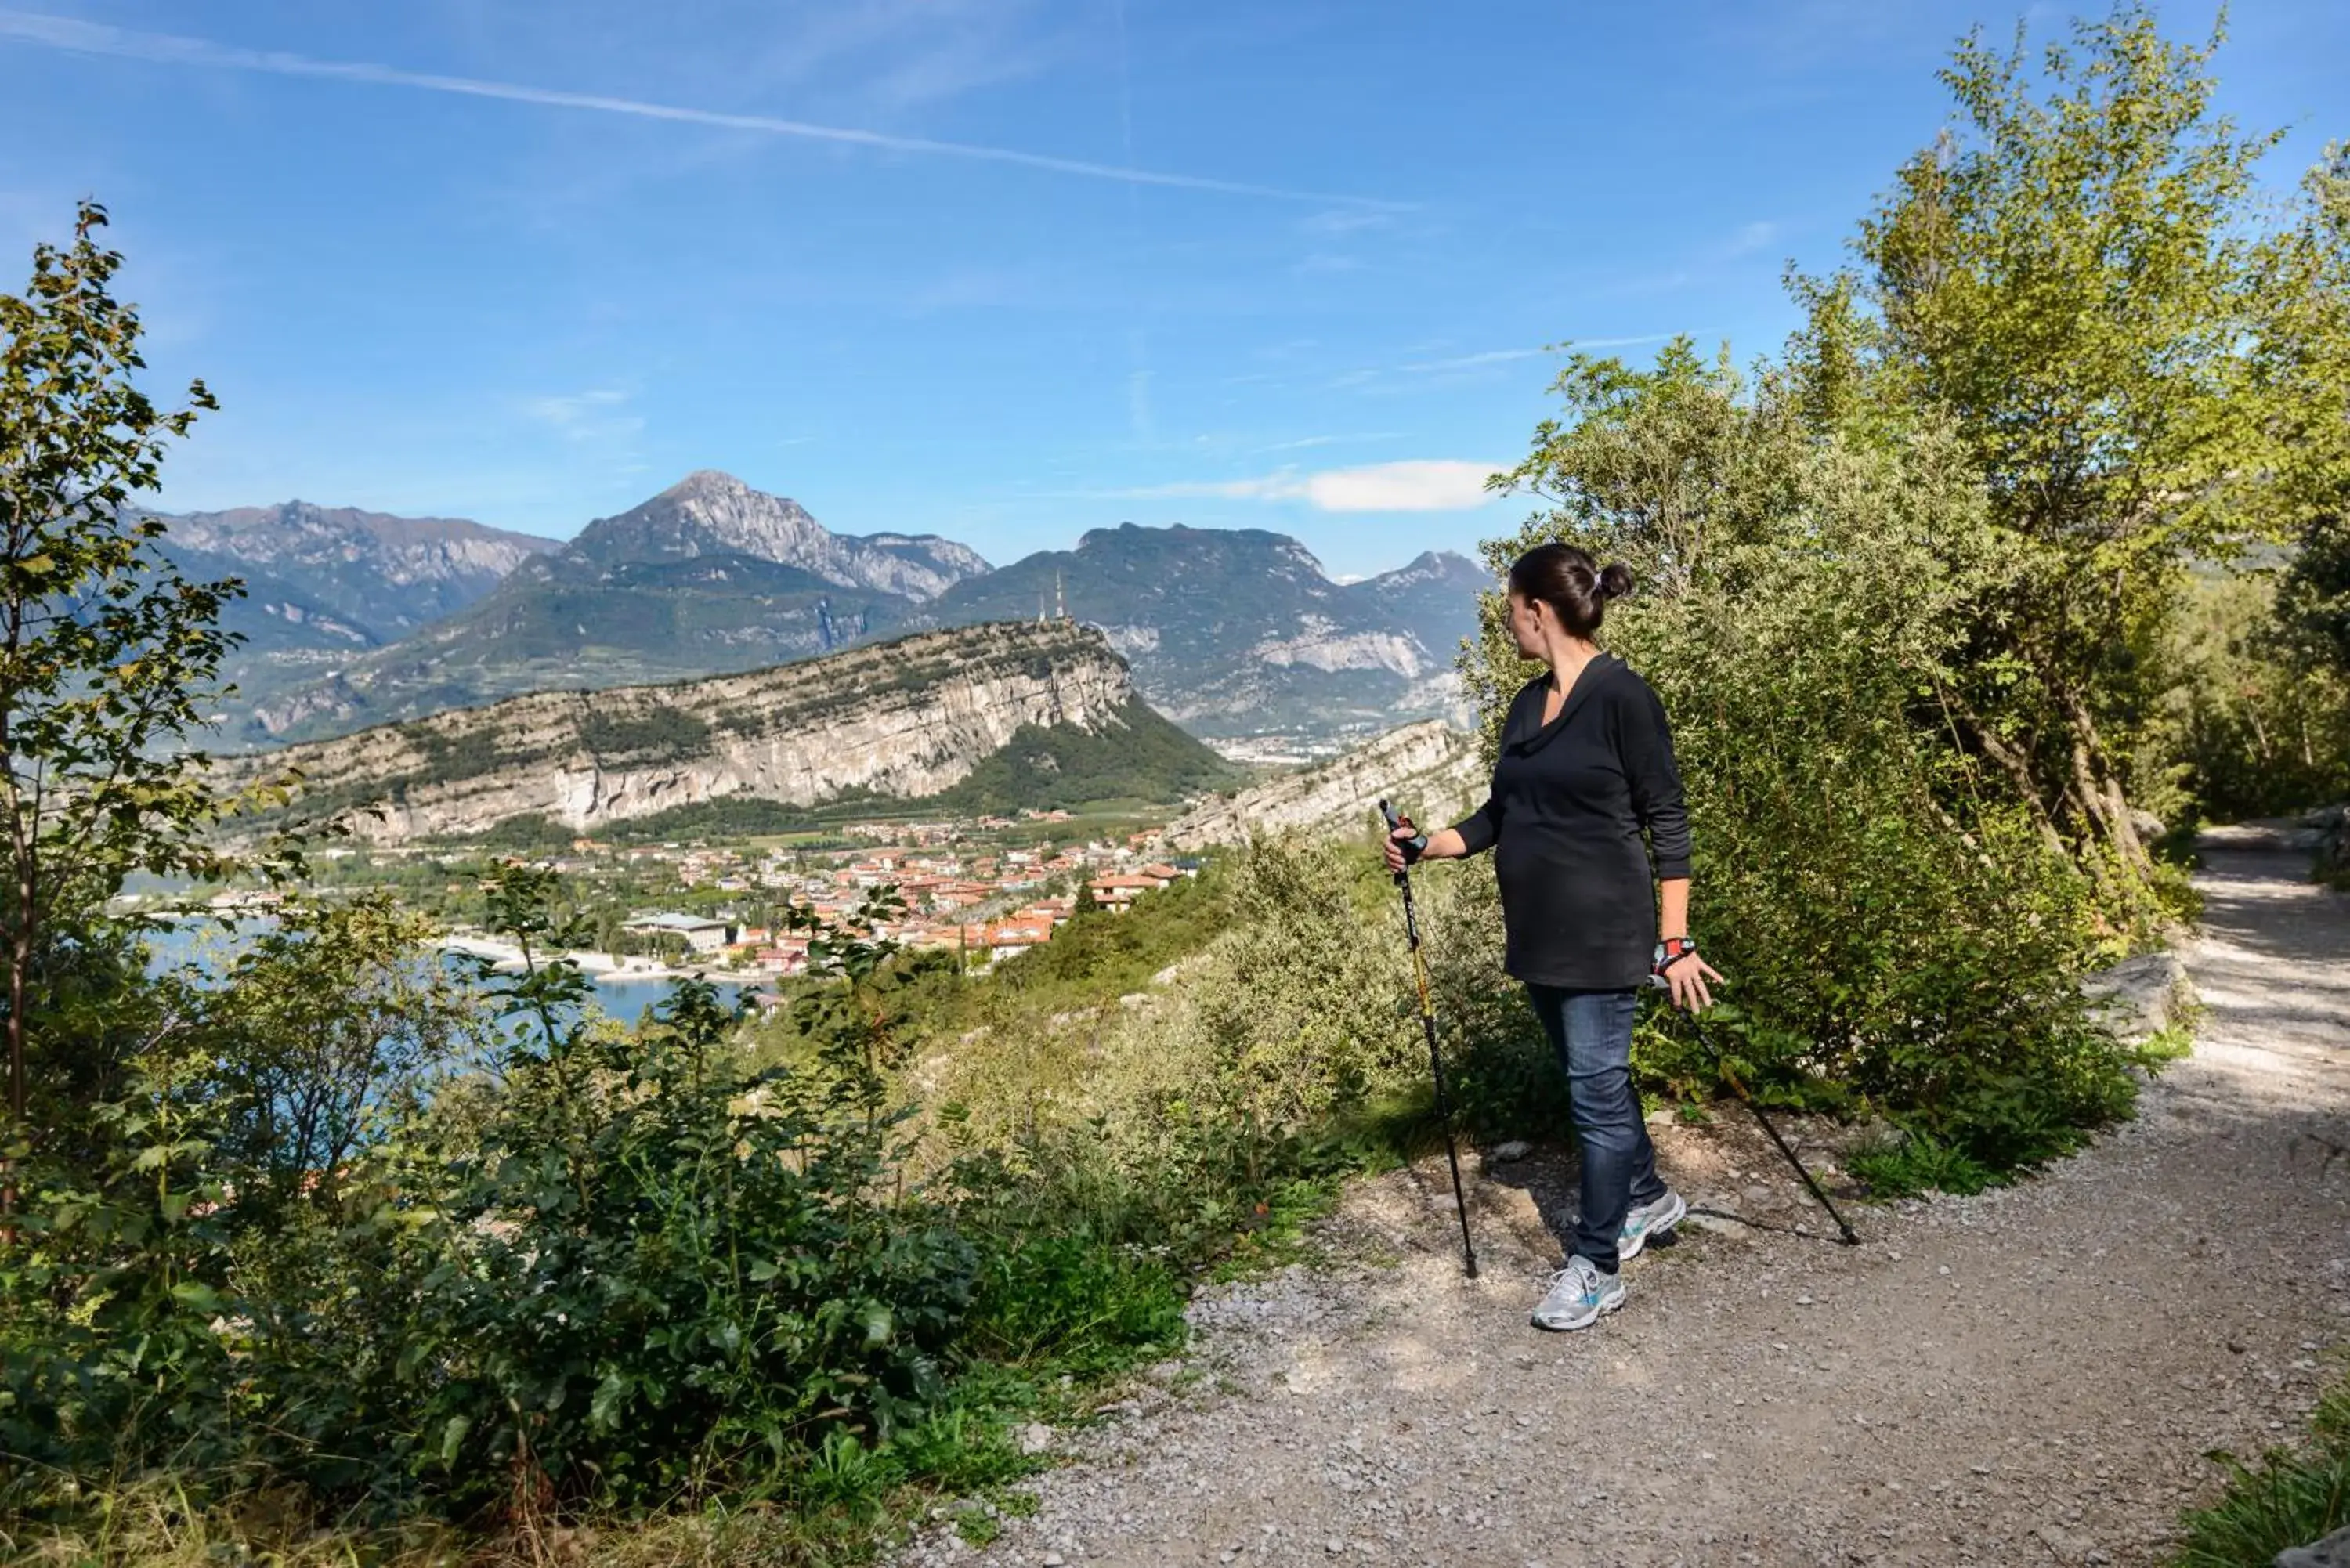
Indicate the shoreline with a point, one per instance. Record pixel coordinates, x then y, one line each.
600 968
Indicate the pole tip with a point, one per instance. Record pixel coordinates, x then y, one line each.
1472 1268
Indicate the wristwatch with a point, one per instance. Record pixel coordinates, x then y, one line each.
1672 951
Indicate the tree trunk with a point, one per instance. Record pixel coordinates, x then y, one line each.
2104 788
20 956
2017 768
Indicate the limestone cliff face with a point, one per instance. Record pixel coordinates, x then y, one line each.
1430 771
905 717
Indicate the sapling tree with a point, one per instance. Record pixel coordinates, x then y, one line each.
2084 281
2307 350
108 655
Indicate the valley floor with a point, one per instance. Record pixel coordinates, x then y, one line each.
2028 1376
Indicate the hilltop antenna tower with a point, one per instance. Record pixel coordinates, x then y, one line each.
1060 599
824 633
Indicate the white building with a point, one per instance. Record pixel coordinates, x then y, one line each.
702 934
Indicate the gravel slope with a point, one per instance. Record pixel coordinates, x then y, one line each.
2029 1376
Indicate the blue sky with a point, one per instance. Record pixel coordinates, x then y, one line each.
998 269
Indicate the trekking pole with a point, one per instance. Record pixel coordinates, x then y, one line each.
1730 1076
1435 1056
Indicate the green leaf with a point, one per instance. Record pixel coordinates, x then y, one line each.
202 1298
611 1395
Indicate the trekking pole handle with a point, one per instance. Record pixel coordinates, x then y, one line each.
1413 847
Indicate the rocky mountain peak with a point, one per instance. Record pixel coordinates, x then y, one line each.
705 484
1433 566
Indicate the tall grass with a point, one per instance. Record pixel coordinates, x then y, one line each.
2288 1497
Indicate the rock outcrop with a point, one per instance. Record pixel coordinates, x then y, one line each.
1429 770
905 717
2140 997
2330 833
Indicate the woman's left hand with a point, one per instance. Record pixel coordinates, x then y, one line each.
1686 976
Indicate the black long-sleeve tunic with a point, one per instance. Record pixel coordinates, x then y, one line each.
1570 801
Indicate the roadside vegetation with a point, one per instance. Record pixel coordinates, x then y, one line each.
2289 1496
2036 527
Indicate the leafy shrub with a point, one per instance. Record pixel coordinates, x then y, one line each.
1898 930
1297 1013
197 1267
681 1273
2254 723
615 1268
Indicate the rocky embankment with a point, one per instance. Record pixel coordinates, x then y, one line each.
1429 770
905 717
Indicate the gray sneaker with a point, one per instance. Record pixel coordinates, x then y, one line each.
1644 1222
1579 1292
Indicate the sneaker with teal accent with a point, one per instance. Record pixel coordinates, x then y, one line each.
1644 1222
1579 1292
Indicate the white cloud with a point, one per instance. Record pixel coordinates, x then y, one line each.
1347 220
1750 238
1457 365
1468 362
1421 485
1429 484
1303 442
96 39
591 416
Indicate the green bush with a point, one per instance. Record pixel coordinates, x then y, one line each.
1898 931
2254 723
615 1268
679 1274
1301 1011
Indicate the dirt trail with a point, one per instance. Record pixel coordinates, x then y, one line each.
2029 1376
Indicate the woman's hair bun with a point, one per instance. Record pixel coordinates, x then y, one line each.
1566 578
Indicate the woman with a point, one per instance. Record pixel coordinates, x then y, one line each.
1586 768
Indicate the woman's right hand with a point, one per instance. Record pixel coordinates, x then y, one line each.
1444 844
1397 856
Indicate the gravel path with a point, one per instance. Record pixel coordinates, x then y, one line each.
2029 1376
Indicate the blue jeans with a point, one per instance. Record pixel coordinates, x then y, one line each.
1592 1032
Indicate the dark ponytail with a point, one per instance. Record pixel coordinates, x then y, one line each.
1568 580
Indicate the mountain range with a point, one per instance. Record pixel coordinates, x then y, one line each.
708 578
1233 631
326 584
987 718
356 619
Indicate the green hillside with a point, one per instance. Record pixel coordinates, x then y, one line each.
1138 756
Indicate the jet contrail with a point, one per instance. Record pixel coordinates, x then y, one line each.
94 39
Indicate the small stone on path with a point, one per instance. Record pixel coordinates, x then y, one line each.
2334 1551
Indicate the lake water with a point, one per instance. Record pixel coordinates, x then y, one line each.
624 997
